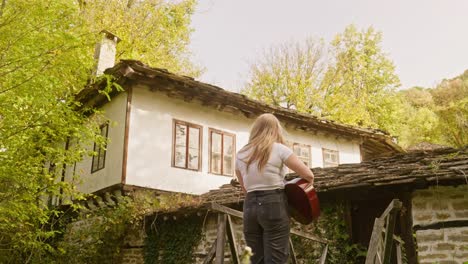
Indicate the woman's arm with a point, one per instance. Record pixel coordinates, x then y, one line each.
295 164
241 181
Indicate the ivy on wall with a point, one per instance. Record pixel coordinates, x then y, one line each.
173 241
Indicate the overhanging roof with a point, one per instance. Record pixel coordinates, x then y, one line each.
130 72
415 170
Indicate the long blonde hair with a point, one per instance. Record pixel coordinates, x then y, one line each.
265 131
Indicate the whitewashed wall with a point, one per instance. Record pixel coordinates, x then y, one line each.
111 174
150 142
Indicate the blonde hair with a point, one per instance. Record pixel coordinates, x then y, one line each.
265 131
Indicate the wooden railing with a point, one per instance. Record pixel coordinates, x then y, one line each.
383 238
225 225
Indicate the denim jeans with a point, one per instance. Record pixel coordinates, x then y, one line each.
266 226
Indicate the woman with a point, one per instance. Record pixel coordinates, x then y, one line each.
260 170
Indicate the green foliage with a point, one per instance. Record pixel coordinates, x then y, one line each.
330 226
289 75
156 32
173 242
354 83
359 87
46 57
436 115
97 236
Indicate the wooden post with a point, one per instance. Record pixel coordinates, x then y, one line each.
232 240
388 242
374 241
323 258
220 239
211 254
291 251
398 254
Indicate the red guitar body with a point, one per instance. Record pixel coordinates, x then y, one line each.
303 201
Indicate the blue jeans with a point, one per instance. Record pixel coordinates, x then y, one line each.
266 226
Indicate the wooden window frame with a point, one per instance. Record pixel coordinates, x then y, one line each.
310 152
96 158
333 151
176 122
210 137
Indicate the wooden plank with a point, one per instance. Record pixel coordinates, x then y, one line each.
389 230
292 252
211 254
226 210
232 240
220 239
395 204
374 241
310 237
399 257
323 258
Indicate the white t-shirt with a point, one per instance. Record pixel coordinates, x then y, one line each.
273 173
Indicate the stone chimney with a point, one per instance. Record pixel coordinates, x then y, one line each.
105 51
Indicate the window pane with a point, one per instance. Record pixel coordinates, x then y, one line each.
297 150
102 156
227 163
228 145
228 149
179 156
194 153
305 151
193 159
181 132
95 164
215 142
194 138
215 152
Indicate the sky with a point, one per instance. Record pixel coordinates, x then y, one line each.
427 40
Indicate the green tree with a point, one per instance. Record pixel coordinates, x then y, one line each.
156 32
46 57
289 75
451 105
354 83
359 88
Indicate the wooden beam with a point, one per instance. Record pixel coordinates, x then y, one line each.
323 258
395 204
374 241
292 252
211 254
232 240
310 237
226 210
220 239
399 256
389 230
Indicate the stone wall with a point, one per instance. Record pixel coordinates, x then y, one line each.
133 251
440 216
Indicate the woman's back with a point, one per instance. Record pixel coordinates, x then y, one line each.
272 176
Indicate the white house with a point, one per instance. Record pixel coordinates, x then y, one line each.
172 133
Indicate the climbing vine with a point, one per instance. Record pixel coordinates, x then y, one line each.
173 241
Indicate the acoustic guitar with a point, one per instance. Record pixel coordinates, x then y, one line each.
303 200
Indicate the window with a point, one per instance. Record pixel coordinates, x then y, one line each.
302 151
222 150
99 159
186 151
330 158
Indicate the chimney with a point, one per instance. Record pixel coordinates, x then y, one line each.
105 52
